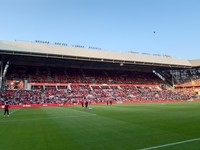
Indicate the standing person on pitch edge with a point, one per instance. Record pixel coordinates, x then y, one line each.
86 103
82 102
107 101
111 102
6 109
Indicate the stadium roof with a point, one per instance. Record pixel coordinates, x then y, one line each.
195 62
66 52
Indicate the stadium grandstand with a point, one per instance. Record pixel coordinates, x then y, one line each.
43 73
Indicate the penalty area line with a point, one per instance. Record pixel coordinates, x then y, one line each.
171 144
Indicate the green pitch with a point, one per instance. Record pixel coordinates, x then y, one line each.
117 127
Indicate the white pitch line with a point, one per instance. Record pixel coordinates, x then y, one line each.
46 118
80 111
14 111
171 144
73 116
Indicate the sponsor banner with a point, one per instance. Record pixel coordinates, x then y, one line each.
89 84
92 103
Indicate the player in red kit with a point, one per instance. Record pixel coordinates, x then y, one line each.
6 109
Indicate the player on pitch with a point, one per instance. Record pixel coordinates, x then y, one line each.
6 109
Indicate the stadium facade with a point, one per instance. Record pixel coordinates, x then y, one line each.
22 60
44 53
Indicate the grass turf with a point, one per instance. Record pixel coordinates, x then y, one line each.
116 127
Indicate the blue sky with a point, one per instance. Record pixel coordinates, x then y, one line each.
114 25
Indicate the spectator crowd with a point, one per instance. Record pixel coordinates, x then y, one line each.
86 84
